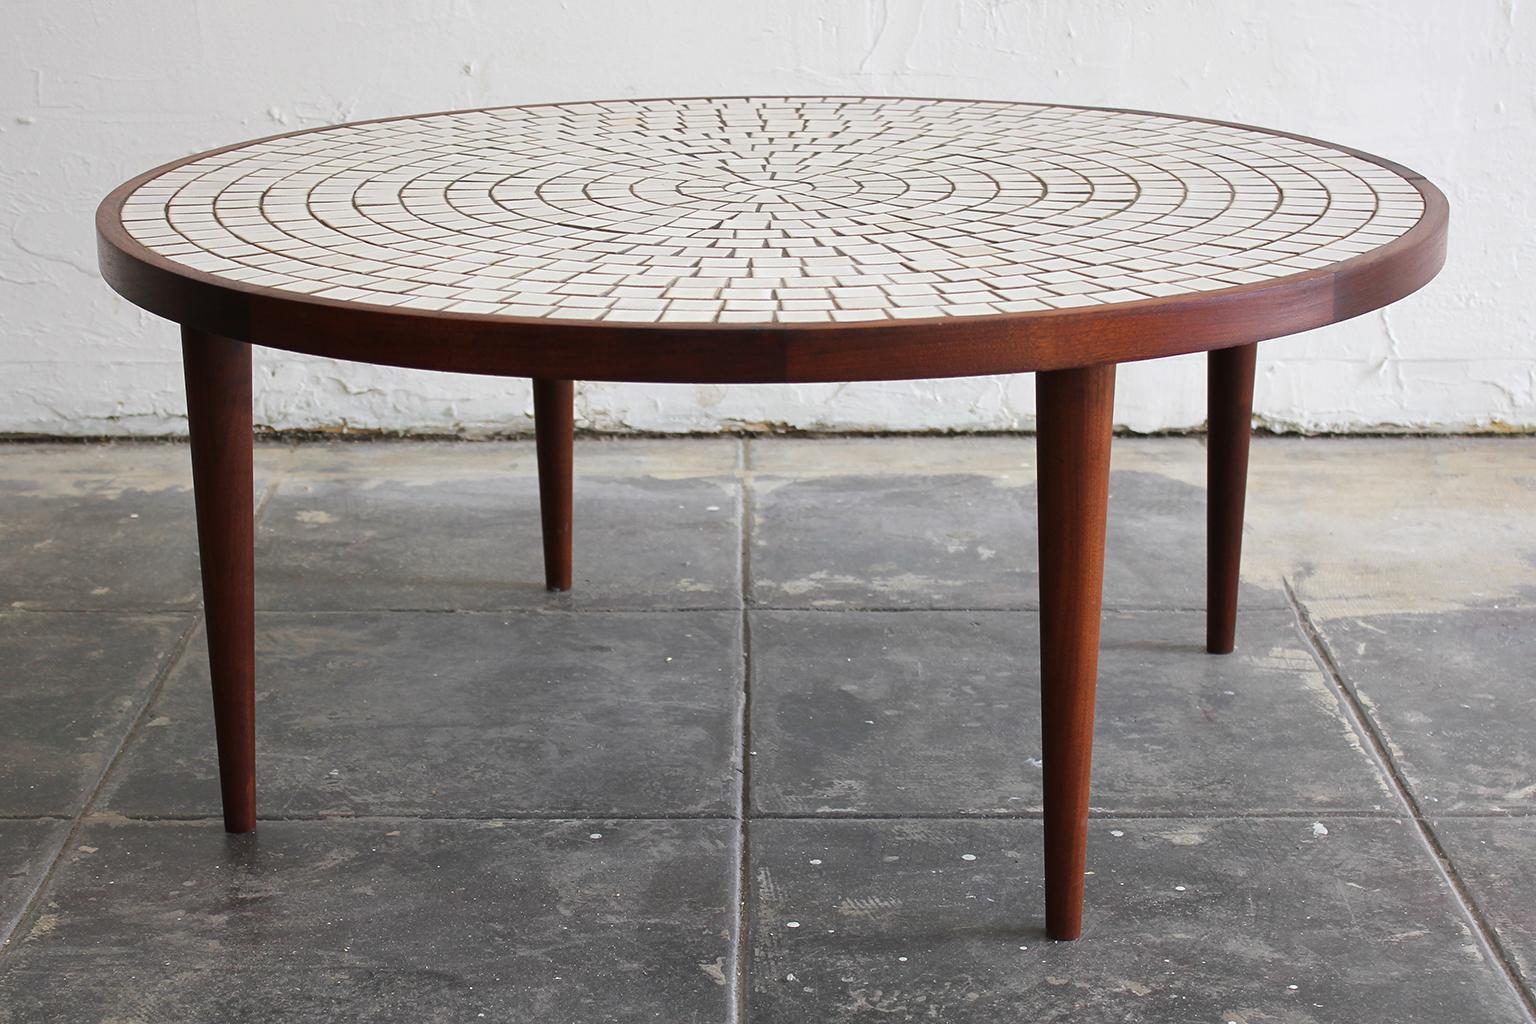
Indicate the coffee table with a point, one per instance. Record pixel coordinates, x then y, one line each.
769 240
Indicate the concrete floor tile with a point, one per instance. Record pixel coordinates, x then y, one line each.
71 685
1376 526
104 526
843 526
27 847
442 462
1496 860
456 526
461 715
899 542
938 713
383 920
1414 558
1454 694
1005 455
1196 920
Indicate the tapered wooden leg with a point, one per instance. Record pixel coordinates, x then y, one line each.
554 425
1074 415
218 374
1230 414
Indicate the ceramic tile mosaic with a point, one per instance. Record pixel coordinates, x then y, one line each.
769 210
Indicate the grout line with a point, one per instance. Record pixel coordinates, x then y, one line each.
619 609
743 882
1095 813
1485 935
323 816
169 610
33 905
961 609
1098 814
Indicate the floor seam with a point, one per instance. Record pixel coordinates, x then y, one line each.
1485 935
328 819
616 609
598 815
1096 814
25 609
737 1013
34 902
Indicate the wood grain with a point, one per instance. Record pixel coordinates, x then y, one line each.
1074 420
218 374
1229 400
554 427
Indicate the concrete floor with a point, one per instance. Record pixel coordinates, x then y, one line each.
534 808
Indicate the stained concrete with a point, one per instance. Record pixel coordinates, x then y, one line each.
366 529
95 527
839 524
381 920
938 713
460 715
1494 859
27 848
70 688
440 740
1194 920
1455 694
1363 526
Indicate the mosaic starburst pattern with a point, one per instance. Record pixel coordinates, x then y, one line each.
769 210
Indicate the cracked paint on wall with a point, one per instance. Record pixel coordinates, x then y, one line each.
91 94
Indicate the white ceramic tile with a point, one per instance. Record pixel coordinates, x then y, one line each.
764 210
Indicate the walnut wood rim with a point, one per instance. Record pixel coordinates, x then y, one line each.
715 353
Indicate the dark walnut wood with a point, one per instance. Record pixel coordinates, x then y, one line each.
218 372
554 427
1075 412
1230 416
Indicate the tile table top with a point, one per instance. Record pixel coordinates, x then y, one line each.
769 210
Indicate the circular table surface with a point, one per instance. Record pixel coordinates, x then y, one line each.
771 238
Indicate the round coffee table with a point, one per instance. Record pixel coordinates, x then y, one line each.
769 240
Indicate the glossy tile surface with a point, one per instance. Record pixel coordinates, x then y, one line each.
760 210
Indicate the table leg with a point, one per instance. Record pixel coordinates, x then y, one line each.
554 426
1074 416
218 374
1230 416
